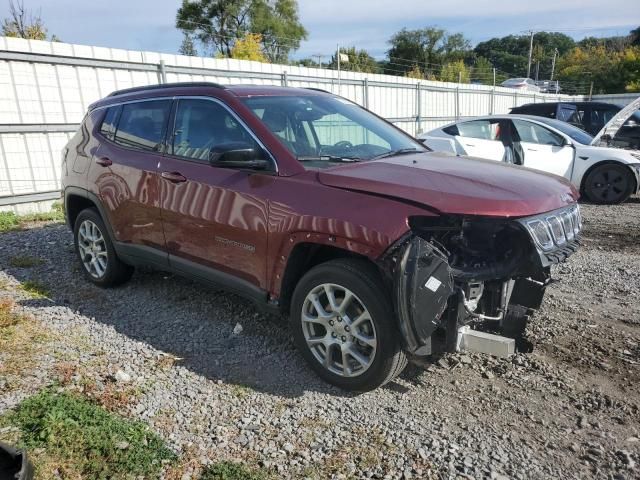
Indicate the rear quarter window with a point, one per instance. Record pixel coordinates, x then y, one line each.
142 125
109 122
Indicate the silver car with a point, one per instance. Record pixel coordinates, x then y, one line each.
521 84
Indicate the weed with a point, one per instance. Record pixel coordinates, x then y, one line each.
35 289
231 471
241 391
85 440
25 261
9 221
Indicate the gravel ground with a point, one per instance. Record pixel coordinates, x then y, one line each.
569 409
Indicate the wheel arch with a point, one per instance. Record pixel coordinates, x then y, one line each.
607 162
302 258
77 199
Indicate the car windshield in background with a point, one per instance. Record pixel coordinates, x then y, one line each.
575 133
322 130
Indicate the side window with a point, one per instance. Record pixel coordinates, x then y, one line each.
533 133
108 127
142 125
482 129
202 126
600 117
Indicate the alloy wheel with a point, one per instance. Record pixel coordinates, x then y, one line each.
339 330
92 249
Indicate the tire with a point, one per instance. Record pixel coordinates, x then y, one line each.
107 270
377 337
609 184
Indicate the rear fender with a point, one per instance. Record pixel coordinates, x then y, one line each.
423 284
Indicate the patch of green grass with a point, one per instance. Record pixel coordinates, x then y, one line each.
231 471
35 289
25 261
83 439
9 221
241 391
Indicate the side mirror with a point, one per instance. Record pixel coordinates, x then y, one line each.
631 123
238 155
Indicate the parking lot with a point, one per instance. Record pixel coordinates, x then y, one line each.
163 350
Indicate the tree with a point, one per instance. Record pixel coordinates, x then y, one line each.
634 37
415 72
511 53
279 26
482 71
218 24
188 46
359 61
249 48
455 72
428 47
24 24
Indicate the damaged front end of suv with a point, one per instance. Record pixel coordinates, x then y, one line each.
452 274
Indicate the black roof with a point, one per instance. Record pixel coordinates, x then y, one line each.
163 86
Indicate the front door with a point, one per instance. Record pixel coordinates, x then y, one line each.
543 149
215 219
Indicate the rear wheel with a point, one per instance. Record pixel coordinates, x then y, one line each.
609 184
94 247
342 323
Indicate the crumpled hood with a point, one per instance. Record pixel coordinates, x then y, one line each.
613 125
456 185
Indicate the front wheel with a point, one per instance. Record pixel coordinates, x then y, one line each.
343 324
608 184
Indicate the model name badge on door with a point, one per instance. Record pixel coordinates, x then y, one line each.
233 243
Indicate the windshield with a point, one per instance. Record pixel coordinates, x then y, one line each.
575 133
324 130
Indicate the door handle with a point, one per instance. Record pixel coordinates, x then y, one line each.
174 177
531 150
104 162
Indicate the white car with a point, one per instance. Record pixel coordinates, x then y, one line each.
521 84
602 174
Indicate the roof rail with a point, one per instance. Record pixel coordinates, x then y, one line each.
165 85
318 90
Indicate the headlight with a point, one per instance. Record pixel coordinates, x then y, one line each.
555 229
541 234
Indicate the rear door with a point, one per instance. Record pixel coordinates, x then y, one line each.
544 149
479 138
215 219
124 174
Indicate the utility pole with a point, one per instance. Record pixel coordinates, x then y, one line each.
553 62
338 58
494 78
319 57
530 54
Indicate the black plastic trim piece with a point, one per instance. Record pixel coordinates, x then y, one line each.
165 85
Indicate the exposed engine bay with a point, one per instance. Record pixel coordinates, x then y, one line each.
480 273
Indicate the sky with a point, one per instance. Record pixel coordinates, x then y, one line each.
368 24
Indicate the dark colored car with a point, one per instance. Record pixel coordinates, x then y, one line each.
314 207
589 116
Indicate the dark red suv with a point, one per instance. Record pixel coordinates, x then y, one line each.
312 206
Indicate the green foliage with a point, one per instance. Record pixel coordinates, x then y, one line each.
188 46
359 61
219 24
9 221
35 289
482 71
24 261
455 72
511 53
231 471
427 47
96 443
248 48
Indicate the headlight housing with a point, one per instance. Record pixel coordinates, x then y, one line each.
555 229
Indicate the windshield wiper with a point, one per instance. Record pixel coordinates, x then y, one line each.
400 151
329 158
